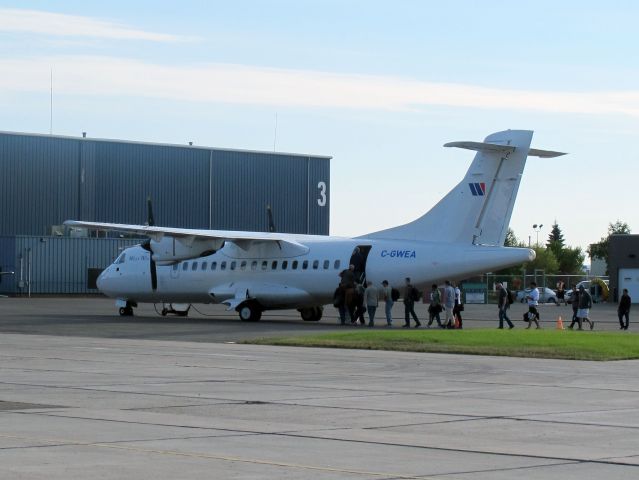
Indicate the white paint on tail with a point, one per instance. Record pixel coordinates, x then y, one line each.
478 209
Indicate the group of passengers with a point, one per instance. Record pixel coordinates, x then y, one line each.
356 296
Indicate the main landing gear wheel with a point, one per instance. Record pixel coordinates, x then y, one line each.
250 312
311 314
126 311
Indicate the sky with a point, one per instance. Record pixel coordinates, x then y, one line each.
379 86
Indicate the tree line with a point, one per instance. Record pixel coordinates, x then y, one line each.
555 257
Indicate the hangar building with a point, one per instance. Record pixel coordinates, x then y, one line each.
623 265
47 179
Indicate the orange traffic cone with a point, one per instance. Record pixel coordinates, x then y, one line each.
560 323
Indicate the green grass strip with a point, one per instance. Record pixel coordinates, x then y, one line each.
569 345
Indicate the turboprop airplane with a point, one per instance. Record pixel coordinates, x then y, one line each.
251 272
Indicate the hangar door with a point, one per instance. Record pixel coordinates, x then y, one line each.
629 278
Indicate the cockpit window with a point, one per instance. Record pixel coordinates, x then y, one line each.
121 258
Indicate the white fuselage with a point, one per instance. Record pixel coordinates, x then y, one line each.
293 280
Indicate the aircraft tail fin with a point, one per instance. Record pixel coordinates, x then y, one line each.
479 208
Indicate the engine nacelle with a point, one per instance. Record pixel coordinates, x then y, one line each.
170 250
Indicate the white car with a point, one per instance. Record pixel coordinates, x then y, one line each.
546 295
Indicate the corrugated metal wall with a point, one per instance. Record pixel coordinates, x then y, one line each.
38 183
54 265
47 179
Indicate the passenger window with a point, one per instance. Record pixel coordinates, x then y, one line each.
175 265
233 265
223 266
294 265
315 264
274 265
264 265
304 264
213 265
336 266
185 266
254 265
194 267
284 265
243 265
326 264
204 264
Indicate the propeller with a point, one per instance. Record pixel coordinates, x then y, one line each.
150 220
147 246
271 223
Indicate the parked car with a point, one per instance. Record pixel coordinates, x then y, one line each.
546 295
597 288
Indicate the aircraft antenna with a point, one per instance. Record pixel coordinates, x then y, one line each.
51 102
275 133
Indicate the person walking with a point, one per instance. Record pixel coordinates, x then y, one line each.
585 304
360 307
387 292
371 300
624 309
533 301
435 307
561 293
574 300
459 306
410 297
503 303
347 282
340 303
449 304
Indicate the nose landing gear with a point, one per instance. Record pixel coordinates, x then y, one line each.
125 307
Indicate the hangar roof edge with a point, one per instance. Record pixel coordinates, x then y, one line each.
177 145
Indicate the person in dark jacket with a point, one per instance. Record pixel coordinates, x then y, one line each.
574 299
503 305
585 304
624 309
409 305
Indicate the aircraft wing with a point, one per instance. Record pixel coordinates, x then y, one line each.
187 236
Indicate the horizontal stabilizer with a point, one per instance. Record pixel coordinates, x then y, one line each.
496 148
482 147
534 152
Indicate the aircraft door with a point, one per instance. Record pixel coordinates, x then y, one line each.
358 260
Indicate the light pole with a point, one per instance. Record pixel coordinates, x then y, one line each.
537 229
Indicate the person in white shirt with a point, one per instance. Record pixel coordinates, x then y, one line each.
449 304
459 306
533 301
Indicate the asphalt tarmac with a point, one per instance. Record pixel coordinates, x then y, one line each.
86 394
98 317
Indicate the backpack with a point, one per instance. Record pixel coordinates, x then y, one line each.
394 294
510 296
414 294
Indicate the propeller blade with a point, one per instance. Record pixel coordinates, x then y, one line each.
271 223
150 220
152 266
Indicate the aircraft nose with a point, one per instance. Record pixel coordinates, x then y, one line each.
101 280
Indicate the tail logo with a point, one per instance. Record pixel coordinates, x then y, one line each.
477 189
